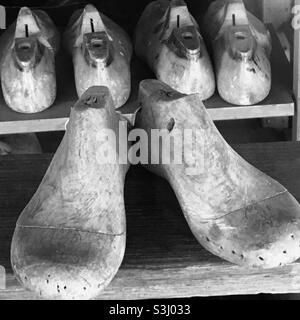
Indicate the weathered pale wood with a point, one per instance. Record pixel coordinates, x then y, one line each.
234 210
168 38
278 103
101 53
28 49
185 282
55 117
69 240
162 258
242 47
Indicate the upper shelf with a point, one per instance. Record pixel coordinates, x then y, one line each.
279 103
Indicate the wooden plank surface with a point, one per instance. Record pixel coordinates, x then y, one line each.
162 259
278 103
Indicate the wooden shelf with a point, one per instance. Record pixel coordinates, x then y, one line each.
162 259
278 103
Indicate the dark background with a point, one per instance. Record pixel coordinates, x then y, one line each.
125 13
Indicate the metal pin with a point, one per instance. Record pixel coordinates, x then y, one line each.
92 25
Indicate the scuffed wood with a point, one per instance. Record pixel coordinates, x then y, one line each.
28 50
168 38
162 257
234 210
101 53
278 103
70 239
242 47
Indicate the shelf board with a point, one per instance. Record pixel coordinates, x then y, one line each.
162 259
279 103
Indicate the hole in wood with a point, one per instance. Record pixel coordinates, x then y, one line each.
187 35
97 43
170 127
24 46
240 36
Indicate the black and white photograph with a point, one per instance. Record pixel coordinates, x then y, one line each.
149 153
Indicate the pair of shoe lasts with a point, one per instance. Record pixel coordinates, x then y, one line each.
70 239
100 49
169 39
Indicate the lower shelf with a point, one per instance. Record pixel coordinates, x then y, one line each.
162 260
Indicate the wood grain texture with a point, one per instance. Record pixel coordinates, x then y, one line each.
278 103
162 257
69 241
168 38
241 46
234 210
28 49
101 52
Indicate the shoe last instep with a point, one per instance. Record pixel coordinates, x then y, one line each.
168 38
234 210
28 50
69 241
101 53
242 47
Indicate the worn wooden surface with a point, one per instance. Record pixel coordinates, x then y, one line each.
162 257
55 117
278 103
